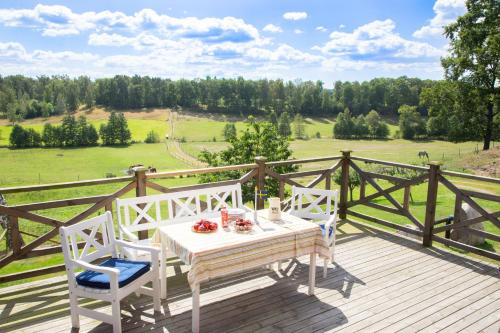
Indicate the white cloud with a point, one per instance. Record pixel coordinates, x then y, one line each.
341 26
295 16
60 20
321 29
272 28
446 12
376 39
298 31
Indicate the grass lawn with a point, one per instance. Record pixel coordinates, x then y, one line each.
33 166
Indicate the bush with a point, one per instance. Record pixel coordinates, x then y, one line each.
411 124
152 137
229 131
24 138
318 135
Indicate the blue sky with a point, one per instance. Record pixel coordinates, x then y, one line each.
310 40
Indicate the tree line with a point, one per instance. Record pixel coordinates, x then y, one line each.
73 132
25 97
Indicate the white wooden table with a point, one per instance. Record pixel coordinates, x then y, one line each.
226 252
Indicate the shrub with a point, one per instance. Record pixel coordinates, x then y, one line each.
152 137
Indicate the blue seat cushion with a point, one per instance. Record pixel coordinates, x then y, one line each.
129 271
323 227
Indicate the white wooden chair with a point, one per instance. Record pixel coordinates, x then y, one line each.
175 207
113 279
307 203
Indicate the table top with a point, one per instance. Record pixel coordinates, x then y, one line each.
223 238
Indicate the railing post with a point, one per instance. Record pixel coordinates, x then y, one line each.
430 207
15 235
328 180
261 176
362 189
140 190
456 214
344 184
406 197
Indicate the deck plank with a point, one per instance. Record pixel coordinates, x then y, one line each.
381 282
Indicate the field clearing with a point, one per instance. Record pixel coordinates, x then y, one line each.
395 150
49 165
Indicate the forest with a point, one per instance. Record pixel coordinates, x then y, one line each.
446 105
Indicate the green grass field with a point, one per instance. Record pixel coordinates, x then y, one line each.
33 166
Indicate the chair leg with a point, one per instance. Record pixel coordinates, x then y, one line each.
117 318
325 268
279 264
163 274
156 295
75 318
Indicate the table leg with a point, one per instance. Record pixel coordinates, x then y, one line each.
163 272
312 273
196 309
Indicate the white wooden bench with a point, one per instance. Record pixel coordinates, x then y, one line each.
148 213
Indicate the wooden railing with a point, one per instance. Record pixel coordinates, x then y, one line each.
428 228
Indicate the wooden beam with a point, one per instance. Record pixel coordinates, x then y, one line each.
170 174
385 177
396 204
303 161
59 203
385 223
469 176
430 206
471 202
384 208
304 173
394 164
52 233
394 188
469 248
465 223
344 184
32 188
30 216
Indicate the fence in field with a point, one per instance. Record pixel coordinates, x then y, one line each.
261 171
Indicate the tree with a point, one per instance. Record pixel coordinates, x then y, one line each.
72 101
60 105
411 124
123 134
18 137
152 137
354 181
475 55
344 125
229 132
284 125
259 139
273 118
299 126
376 126
49 137
24 138
69 130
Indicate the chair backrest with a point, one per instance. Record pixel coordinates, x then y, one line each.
307 203
175 207
205 202
131 211
97 236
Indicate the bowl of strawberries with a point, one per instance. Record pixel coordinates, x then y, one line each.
243 225
204 226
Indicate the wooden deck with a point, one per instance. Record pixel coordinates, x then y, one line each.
381 282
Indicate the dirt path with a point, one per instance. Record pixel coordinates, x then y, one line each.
175 148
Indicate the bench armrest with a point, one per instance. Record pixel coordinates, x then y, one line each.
130 235
95 268
331 223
